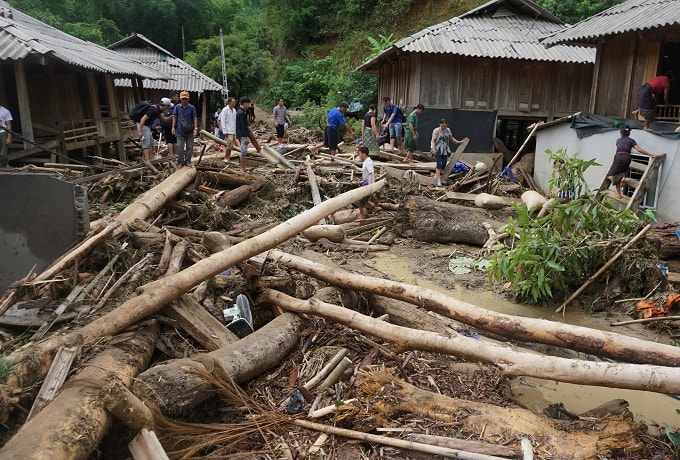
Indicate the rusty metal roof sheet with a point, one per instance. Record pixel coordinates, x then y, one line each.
22 36
498 29
629 16
184 77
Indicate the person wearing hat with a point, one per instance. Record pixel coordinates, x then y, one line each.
336 118
166 126
619 168
144 127
185 127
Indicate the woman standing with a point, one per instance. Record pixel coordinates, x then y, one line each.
439 145
619 168
411 137
369 129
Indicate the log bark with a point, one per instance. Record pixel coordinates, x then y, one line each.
334 233
126 407
600 343
175 389
437 222
73 424
234 197
391 396
613 375
230 179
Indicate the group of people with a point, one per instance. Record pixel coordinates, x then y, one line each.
179 127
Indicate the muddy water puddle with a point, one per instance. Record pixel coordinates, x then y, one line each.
537 394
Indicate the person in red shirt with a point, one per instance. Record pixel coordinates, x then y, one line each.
646 96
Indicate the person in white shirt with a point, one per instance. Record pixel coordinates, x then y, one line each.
367 178
5 135
227 122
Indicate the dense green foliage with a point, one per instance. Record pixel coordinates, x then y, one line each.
553 254
303 50
573 11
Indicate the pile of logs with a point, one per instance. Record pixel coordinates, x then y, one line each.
118 381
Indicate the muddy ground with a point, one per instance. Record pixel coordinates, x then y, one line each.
408 260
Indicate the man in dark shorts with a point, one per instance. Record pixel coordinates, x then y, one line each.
646 96
336 118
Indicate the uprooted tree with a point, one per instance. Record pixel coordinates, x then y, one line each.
550 255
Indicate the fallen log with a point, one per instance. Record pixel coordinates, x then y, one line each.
32 363
73 424
234 197
437 222
175 389
231 179
511 363
592 341
334 233
390 396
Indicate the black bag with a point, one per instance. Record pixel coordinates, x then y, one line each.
186 125
400 111
139 110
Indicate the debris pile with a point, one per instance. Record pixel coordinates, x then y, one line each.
218 313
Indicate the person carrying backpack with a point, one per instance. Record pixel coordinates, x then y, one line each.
393 117
149 115
185 127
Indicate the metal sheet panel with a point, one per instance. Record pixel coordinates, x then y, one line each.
629 16
21 35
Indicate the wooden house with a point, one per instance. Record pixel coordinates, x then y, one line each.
635 41
60 90
487 71
183 77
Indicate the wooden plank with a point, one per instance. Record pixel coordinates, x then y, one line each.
146 446
314 186
431 166
56 377
454 158
199 324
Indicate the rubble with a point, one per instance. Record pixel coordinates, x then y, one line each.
395 367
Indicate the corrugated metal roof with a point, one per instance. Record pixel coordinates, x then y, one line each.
184 77
498 29
21 36
629 16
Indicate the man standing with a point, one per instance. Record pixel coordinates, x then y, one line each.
228 125
185 127
336 118
412 132
5 135
243 133
166 126
392 119
646 96
144 128
281 120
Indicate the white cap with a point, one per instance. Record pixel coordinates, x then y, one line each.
166 101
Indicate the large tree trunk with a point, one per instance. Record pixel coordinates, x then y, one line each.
606 344
175 389
437 222
155 295
391 396
614 375
73 424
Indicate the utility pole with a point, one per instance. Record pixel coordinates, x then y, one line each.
183 50
225 86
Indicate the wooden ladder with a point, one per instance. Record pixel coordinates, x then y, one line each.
650 173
